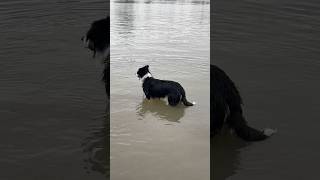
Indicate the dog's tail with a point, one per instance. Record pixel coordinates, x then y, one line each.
237 122
186 102
226 98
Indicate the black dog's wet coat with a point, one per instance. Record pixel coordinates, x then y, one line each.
226 107
156 88
98 36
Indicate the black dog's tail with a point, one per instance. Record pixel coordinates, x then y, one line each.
186 102
237 122
227 103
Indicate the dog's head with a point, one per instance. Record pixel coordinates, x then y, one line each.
143 71
97 39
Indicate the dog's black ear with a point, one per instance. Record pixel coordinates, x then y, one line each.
147 66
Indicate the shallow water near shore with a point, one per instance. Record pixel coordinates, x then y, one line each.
270 49
149 139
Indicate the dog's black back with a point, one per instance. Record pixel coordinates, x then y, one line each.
156 88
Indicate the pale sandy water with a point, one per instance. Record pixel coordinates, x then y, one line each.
52 102
271 50
149 139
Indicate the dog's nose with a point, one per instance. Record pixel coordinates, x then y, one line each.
82 38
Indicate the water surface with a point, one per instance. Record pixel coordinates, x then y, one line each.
52 103
149 139
271 50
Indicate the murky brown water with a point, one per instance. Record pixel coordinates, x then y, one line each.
149 139
271 50
52 102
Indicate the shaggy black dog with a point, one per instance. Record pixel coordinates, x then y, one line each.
226 108
97 39
155 88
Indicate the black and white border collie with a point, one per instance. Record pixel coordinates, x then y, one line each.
156 88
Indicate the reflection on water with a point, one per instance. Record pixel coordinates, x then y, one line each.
125 16
225 154
160 109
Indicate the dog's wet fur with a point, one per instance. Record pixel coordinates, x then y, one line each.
97 39
156 88
226 108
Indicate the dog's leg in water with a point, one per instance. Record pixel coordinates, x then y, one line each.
106 77
173 99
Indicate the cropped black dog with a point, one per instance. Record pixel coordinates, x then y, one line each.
97 146
97 39
155 88
226 108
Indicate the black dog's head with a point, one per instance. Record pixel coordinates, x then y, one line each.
97 38
143 71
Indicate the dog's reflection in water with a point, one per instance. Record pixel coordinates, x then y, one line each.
160 109
225 154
